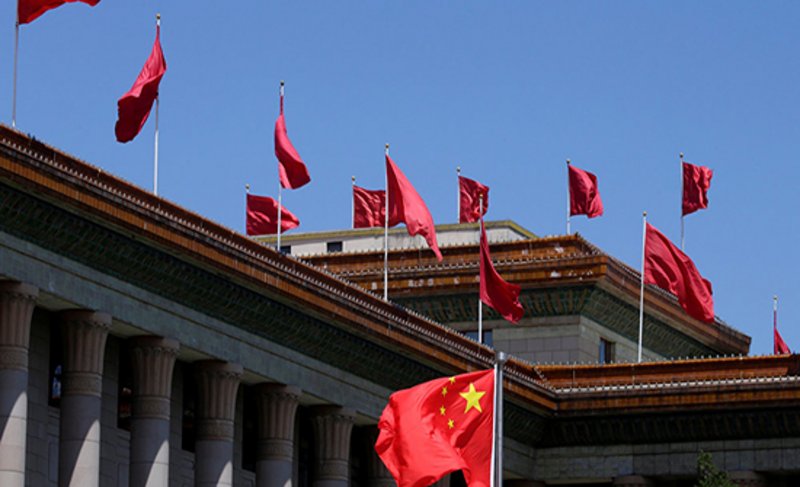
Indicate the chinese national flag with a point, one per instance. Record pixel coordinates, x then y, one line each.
439 427
696 181
262 216
502 296
666 266
30 10
406 205
291 169
133 108
779 347
584 194
470 193
369 207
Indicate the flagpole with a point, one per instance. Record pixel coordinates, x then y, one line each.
386 234
280 186
774 319
16 57
497 420
480 302
155 142
682 238
568 199
353 203
458 194
641 287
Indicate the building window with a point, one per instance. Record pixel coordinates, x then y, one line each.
334 246
606 351
487 336
125 390
188 431
286 249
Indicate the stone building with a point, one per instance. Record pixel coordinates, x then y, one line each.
143 345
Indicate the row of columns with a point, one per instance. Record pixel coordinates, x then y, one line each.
84 335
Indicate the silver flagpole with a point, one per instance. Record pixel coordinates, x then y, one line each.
386 235
155 143
480 302
458 194
353 203
568 198
16 57
280 188
497 451
641 287
683 242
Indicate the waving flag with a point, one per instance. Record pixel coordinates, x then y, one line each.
696 182
291 169
135 105
500 295
779 347
584 194
369 207
262 216
30 10
439 427
470 193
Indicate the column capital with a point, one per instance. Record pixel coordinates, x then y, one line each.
632 481
277 406
84 334
17 301
217 384
332 428
152 361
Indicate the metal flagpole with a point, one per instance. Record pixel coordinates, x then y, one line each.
155 144
458 194
386 234
641 287
353 204
774 318
16 57
480 302
497 420
280 186
682 239
568 199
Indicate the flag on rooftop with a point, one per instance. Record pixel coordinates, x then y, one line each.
500 295
134 107
262 216
30 10
369 207
666 266
291 169
696 182
470 193
439 427
584 193
779 347
406 206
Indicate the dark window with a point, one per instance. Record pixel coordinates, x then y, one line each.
56 366
335 246
286 249
125 388
606 351
487 336
249 429
188 428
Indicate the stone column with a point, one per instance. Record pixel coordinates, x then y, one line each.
152 361
632 481
332 428
748 479
377 474
84 335
277 405
217 384
16 308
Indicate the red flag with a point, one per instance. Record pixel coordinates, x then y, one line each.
439 427
262 216
470 193
134 106
672 270
30 10
779 347
291 169
696 181
406 205
502 296
584 194
369 208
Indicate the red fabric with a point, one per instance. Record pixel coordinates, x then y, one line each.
500 295
416 442
406 205
134 107
369 208
584 194
696 181
262 216
672 270
470 193
291 169
30 10
779 347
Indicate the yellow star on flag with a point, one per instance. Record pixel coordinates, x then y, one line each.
444 391
442 410
452 380
473 398
451 424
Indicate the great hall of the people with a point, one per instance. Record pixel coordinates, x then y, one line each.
144 345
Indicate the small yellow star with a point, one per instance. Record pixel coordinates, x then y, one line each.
452 380
444 391
451 424
473 398
442 410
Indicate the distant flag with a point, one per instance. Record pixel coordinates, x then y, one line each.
262 216
439 427
30 10
406 206
135 105
584 194
369 207
291 169
779 347
470 193
696 182
500 295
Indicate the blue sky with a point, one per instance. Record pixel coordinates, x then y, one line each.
507 90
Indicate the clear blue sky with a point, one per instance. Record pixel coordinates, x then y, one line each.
507 90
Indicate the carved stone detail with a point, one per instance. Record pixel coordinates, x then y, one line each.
215 429
84 334
153 360
332 428
151 407
17 301
13 358
277 406
272 449
217 384
83 383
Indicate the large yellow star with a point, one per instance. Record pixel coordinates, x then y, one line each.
473 398
442 410
452 380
